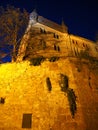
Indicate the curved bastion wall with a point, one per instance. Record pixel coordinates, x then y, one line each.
27 101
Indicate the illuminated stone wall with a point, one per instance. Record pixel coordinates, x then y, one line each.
24 90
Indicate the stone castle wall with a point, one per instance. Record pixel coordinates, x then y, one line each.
25 91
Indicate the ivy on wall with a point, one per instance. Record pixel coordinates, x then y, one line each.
53 59
72 101
70 94
37 61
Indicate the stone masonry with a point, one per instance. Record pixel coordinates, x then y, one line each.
24 89
31 92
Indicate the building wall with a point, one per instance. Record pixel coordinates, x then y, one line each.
25 91
69 45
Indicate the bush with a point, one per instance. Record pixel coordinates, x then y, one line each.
37 61
53 59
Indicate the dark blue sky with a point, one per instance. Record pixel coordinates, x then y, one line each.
81 16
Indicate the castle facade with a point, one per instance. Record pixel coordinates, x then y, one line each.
43 35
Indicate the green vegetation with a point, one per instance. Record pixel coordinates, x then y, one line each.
83 54
49 86
37 61
93 66
72 101
70 94
53 59
92 62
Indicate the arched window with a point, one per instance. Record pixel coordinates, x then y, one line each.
83 45
58 48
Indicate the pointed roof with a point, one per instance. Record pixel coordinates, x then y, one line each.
63 26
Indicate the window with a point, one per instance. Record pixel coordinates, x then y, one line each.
57 48
73 41
76 43
83 45
54 47
42 30
48 84
2 100
27 121
56 36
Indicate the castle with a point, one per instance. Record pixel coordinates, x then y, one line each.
46 36
53 85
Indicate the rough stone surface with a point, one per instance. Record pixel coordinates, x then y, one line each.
25 91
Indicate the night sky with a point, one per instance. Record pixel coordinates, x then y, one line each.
81 16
